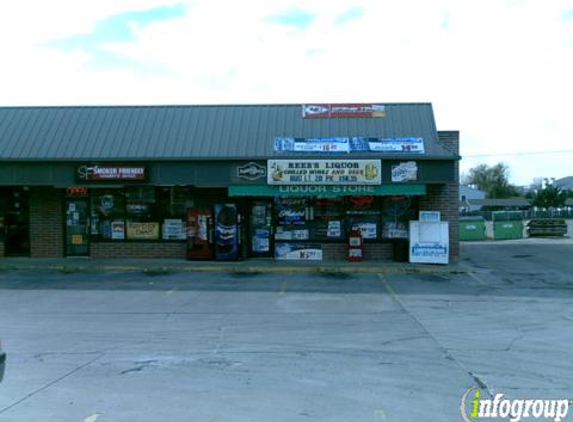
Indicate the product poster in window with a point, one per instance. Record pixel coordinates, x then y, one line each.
261 240
298 251
142 231
334 229
118 230
368 230
173 229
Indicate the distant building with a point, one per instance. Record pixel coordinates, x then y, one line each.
565 183
467 195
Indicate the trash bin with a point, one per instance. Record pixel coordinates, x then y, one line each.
507 225
401 250
472 228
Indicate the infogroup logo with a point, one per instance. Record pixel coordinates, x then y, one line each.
473 407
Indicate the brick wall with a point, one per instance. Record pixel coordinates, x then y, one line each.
371 251
445 197
331 251
172 250
46 223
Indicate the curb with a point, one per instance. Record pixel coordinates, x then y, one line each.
275 269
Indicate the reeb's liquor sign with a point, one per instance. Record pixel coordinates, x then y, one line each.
324 172
112 172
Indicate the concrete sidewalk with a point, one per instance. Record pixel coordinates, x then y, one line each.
248 266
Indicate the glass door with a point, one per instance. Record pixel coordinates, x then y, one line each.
15 216
260 229
77 225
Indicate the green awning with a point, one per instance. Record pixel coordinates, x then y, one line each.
327 191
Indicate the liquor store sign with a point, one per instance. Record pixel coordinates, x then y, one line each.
324 172
111 172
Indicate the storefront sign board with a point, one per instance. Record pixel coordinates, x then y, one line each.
405 172
251 171
328 145
397 145
404 145
111 172
324 172
346 110
326 191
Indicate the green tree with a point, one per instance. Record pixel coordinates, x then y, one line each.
493 180
549 197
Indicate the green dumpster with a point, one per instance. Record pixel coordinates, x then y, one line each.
507 225
472 228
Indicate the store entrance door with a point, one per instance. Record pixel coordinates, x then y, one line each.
77 241
16 215
260 224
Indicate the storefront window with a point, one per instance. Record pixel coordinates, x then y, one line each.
108 214
397 213
292 215
363 213
172 203
333 219
327 219
142 219
139 213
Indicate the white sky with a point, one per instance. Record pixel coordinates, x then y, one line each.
500 71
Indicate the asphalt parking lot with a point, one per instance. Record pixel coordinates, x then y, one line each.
214 347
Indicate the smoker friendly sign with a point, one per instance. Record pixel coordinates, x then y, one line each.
474 407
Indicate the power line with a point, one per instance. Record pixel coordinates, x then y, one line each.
515 154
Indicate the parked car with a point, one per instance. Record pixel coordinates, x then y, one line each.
2 362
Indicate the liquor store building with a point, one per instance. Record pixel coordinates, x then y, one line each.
222 182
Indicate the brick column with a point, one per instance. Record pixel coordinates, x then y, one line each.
46 223
445 197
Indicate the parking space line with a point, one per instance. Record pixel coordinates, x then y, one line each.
388 287
476 278
93 418
446 352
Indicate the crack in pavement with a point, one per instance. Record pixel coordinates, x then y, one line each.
447 353
48 385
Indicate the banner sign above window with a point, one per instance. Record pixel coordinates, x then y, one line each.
112 172
327 191
324 172
312 144
326 111
409 145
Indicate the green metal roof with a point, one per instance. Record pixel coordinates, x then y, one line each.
202 132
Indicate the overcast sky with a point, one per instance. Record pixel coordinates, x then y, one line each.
500 71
